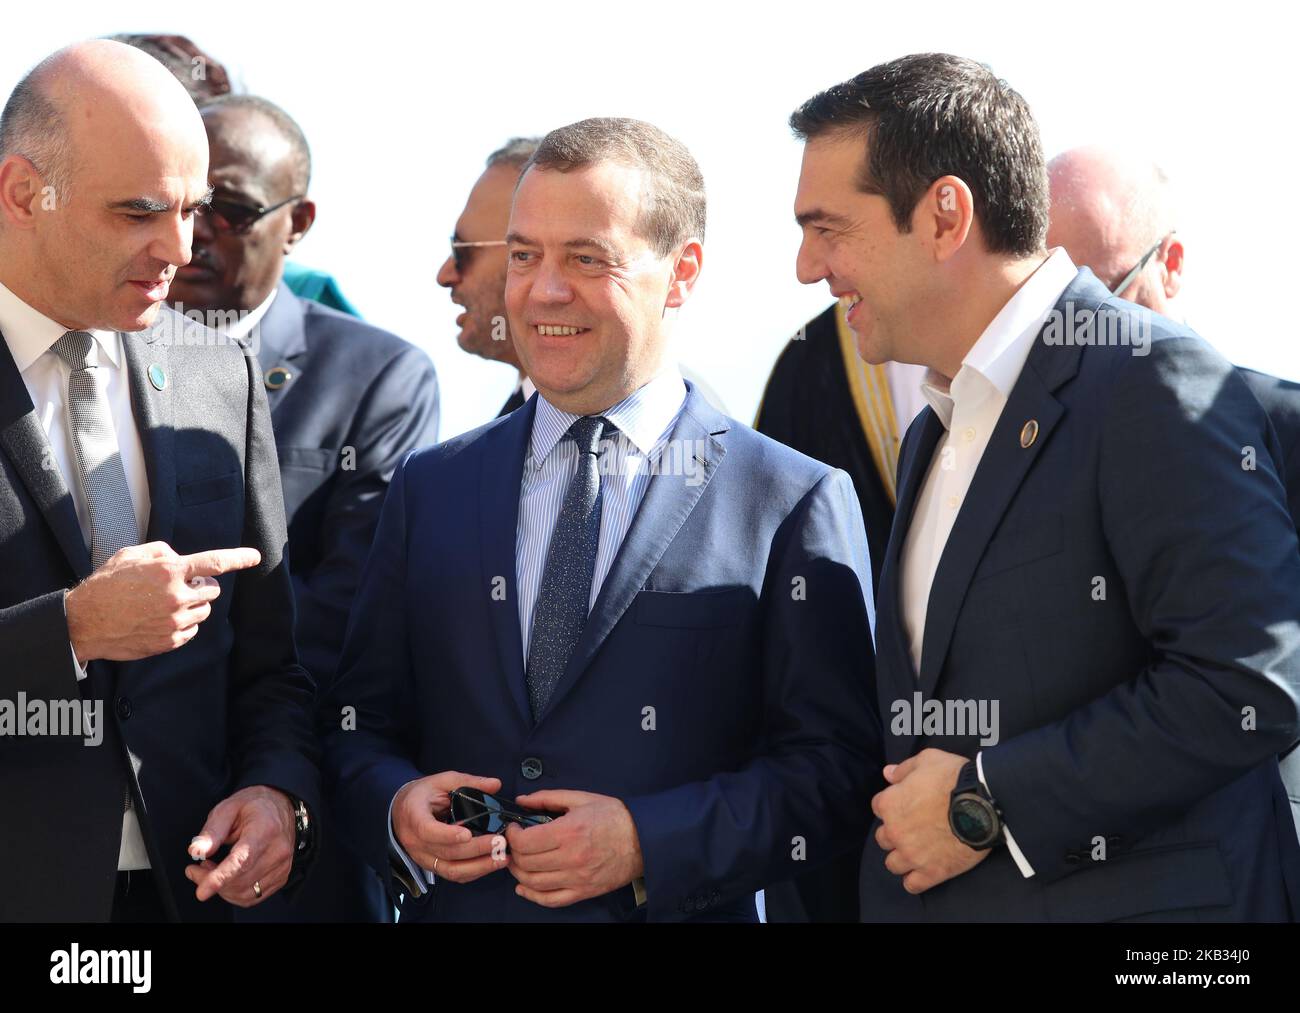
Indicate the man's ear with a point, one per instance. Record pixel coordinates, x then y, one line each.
300 222
24 193
686 271
944 216
1172 267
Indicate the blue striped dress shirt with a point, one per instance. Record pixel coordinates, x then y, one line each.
628 459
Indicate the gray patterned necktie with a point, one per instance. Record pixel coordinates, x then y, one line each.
570 563
112 515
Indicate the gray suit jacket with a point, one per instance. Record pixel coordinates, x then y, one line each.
229 709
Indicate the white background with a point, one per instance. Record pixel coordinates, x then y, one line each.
402 102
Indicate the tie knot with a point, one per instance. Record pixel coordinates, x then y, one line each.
74 349
587 431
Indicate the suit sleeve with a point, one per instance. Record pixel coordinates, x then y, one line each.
272 730
805 797
34 644
366 716
1196 520
398 414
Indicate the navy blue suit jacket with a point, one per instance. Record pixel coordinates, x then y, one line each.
737 608
1129 593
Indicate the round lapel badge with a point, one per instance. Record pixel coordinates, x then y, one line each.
157 376
1029 433
277 376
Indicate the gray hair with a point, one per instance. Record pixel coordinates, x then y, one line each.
515 152
674 204
33 126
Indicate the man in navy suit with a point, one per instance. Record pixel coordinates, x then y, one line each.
1115 215
615 604
348 401
1089 636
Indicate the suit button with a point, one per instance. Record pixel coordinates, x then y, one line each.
531 768
123 708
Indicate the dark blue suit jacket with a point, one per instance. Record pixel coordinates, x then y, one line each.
1126 716
357 400
737 607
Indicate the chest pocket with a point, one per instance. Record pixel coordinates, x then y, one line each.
308 458
1017 546
696 610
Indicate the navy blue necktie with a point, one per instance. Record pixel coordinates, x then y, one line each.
570 563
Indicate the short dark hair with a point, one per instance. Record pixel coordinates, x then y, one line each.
33 125
515 152
285 124
931 115
674 204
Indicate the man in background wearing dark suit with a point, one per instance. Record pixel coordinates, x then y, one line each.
614 604
348 402
121 424
1089 640
1114 214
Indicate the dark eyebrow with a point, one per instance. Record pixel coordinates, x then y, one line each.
154 207
819 216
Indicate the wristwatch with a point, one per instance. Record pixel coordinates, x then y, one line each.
973 815
304 841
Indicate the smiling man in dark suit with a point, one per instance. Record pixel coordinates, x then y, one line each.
1089 639
348 402
122 424
614 604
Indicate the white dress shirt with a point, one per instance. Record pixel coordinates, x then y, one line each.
969 405
30 336
905 381
644 423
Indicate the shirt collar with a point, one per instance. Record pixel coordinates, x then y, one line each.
644 416
995 361
29 333
243 326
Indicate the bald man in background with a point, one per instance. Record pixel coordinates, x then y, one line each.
1116 215
145 583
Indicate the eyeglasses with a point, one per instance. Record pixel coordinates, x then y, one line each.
458 244
486 814
232 216
1137 268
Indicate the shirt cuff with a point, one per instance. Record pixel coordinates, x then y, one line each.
418 880
80 668
1022 863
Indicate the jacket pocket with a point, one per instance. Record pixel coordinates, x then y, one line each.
691 609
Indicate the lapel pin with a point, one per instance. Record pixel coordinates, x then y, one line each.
157 376
1029 433
277 376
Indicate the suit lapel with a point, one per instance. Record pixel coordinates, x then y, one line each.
669 500
895 675
502 468
281 338
153 410
24 441
1001 471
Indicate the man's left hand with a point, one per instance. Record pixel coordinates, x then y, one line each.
258 824
919 844
589 851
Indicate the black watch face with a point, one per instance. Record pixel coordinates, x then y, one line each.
972 821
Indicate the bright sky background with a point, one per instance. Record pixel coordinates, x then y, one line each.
402 102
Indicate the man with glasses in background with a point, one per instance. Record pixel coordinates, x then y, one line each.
348 401
1105 207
